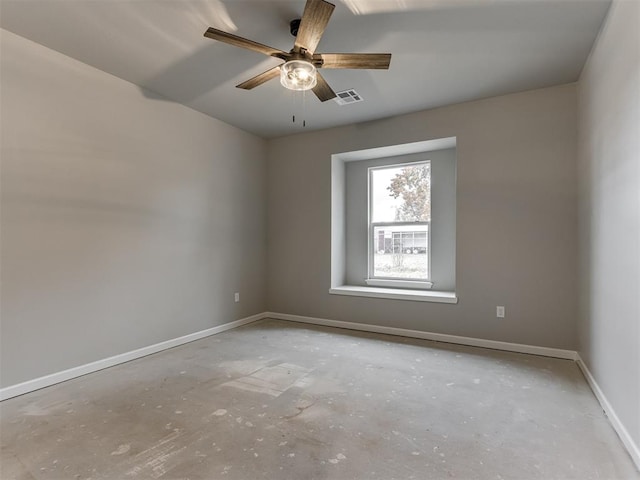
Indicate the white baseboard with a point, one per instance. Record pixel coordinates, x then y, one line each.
622 432
438 337
54 378
48 380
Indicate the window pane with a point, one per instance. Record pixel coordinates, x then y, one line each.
401 193
401 251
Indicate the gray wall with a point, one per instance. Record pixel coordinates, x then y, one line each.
126 221
516 219
609 166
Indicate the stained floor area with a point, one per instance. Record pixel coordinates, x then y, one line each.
280 400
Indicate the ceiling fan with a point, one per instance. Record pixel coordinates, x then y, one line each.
299 72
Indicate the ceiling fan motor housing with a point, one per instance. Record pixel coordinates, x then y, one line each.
294 25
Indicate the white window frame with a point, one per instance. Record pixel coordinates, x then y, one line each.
394 282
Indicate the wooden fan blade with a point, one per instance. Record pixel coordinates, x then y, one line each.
260 79
354 60
232 39
314 20
322 89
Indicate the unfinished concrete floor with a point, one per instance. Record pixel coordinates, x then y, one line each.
280 400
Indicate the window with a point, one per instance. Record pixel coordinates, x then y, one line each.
399 225
395 240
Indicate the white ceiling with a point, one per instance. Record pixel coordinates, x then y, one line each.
444 51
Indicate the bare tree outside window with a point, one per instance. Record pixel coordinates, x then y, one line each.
413 186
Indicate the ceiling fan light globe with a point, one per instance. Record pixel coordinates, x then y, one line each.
298 75
301 74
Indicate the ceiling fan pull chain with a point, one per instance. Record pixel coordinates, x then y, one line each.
293 106
304 108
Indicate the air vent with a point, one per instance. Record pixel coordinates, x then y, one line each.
347 97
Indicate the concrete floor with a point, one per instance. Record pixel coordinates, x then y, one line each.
279 400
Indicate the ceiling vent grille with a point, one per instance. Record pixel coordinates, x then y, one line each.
348 97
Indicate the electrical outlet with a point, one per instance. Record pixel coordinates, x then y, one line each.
500 311
236 297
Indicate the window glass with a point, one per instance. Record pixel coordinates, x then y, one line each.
400 216
401 193
401 252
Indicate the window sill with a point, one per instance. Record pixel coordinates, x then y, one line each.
395 294
403 284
